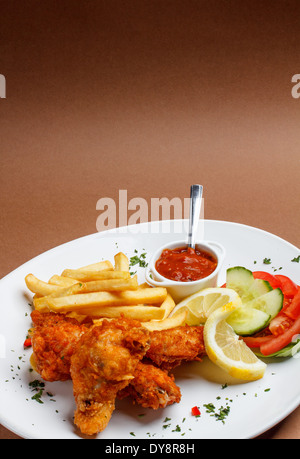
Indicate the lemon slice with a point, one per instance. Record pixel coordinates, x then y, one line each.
227 350
201 304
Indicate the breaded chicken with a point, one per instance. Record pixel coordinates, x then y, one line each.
54 338
152 387
169 348
104 363
107 362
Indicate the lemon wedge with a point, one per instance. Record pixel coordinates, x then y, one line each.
227 350
201 304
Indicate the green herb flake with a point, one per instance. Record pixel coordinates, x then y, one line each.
222 414
177 429
210 407
267 261
219 415
296 259
138 260
36 384
37 396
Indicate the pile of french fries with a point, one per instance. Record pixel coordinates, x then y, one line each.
101 290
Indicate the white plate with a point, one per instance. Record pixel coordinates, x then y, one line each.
254 406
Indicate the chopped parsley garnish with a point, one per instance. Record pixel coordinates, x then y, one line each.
177 429
296 259
39 387
219 415
138 260
267 261
166 423
210 407
37 396
36 384
222 414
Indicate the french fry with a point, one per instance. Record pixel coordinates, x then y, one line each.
33 362
110 285
40 287
145 285
136 312
170 322
121 262
41 303
79 317
62 281
100 291
86 276
100 299
100 266
167 306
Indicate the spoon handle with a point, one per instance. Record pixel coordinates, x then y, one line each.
195 207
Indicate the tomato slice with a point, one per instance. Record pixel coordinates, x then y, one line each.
286 303
288 287
279 342
280 323
293 310
256 341
275 283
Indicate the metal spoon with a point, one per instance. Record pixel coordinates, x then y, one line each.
195 207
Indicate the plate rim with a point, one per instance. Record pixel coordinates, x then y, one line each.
119 230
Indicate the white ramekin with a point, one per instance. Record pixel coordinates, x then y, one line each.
179 290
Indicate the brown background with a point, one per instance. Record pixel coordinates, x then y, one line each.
149 96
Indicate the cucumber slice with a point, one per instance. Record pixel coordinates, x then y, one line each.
246 321
259 287
260 302
271 303
240 279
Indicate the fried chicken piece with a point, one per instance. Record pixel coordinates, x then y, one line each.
152 387
169 348
54 339
104 363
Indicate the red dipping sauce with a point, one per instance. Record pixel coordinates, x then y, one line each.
184 264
